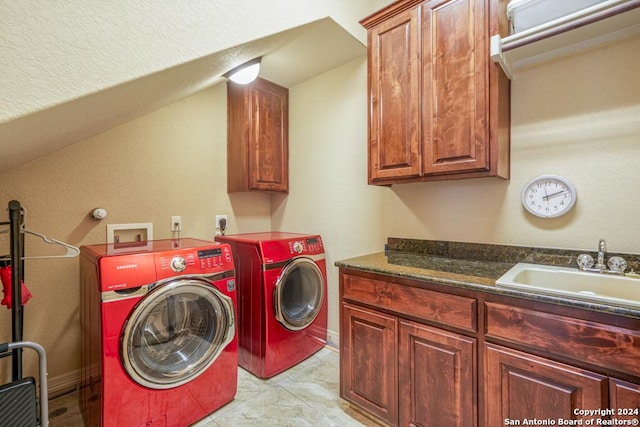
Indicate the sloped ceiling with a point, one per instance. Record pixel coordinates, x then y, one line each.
78 104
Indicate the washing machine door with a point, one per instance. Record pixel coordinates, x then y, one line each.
176 332
299 292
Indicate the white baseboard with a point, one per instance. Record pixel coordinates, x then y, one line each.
333 340
64 383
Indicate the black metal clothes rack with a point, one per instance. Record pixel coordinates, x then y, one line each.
18 399
16 261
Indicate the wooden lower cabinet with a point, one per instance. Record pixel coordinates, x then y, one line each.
412 355
407 373
624 399
369 360
437 377
520 386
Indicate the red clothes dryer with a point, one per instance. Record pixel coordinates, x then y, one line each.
158 342
282 299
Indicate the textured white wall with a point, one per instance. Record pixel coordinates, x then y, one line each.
328 192
576 117
57 51
170 162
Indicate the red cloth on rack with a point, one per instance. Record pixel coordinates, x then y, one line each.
5 275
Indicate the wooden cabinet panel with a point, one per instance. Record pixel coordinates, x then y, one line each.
520 386
394 85
442 377
439 108
602 345
624 399
368 354
433 307
257 137
455 66
437 376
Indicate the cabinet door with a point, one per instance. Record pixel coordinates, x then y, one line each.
624 399
521 386
368 361
394 96
269 141
258 137
437 376
455 86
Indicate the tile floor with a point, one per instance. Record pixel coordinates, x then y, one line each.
305 395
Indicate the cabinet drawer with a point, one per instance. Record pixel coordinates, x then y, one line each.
431 306
599 344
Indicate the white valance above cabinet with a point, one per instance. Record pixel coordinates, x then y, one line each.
589 26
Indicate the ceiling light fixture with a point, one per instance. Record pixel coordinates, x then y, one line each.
245 73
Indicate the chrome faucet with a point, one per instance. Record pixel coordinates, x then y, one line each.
616 264
602 249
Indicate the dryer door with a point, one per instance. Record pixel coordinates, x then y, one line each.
176 332
298 294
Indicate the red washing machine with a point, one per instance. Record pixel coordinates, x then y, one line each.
159 344
282 299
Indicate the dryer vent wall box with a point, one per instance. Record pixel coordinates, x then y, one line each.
526 14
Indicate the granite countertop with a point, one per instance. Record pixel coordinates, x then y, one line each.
474 266
464 273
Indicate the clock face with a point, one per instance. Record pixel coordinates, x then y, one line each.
549 196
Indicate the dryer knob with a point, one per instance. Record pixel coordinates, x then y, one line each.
178 264
297 247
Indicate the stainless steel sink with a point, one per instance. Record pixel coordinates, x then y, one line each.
572 283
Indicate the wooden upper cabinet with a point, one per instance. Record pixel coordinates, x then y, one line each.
394 91
257 137
439 107
454 86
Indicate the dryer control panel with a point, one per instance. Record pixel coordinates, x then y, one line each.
274 246
283 250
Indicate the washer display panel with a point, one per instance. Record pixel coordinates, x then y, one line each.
176 332
299 293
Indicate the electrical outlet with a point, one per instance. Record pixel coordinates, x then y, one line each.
219 229
176 223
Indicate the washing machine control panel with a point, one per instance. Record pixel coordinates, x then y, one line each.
215 257
310 245
157 260
205 260
178 264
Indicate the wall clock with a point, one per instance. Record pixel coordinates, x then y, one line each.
549 196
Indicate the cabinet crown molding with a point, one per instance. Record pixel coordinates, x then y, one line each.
383 14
